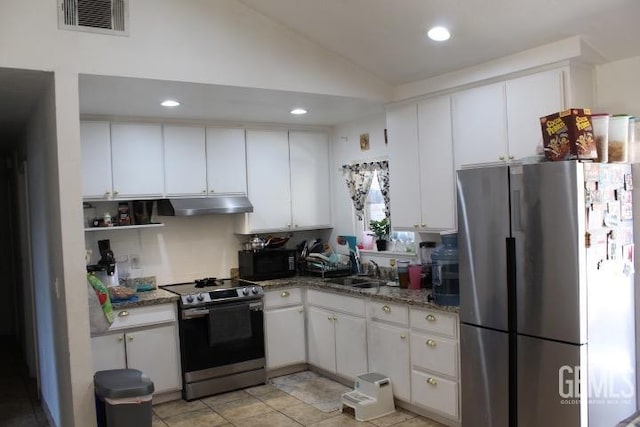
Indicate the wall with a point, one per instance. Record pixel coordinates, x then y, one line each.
618 87
40 141
345 149
217 42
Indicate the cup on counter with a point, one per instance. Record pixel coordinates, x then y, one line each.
403 274
415 276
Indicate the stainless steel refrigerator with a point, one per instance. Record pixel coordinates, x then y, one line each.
546 295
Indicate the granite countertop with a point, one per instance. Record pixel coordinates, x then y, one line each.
414 297
156 296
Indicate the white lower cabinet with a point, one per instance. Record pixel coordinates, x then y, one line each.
284 328
154 351
435 393
388 348
435 362
337 341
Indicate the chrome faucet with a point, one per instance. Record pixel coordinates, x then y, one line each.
376 269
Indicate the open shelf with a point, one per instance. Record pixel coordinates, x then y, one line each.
123 227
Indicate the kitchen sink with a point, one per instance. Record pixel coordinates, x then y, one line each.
349 281
357 282
368 285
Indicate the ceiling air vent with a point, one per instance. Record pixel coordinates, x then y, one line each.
95 16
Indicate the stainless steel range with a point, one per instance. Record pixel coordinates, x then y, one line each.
221 335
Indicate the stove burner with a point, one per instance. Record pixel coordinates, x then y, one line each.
208 281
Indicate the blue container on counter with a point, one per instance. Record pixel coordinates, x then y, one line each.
446 286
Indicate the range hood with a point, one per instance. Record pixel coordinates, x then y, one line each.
204 206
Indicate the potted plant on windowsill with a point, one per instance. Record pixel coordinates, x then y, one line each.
381 230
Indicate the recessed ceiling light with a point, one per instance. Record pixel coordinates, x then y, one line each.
439 34
298 111
169 103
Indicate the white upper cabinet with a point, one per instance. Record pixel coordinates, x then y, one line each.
310 186
137 160
437 182
528 99
480 125
95 139
404 167
287 181
268 183
226 161
185 162
500 122
421 173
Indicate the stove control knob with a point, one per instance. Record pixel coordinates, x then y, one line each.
200 297
189 298
245 291
254 290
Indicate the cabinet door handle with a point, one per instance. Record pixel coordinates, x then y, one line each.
107 194
432 381
120 338
284 294
130 338
123 313
511 157
403 337
335 318
416 225
431 343
212 191
115 193
431 318
386 309
301 310
330 318
204 191
501 157
423 225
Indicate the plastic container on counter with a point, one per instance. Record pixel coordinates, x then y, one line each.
600 123
403 274
619 138
426 250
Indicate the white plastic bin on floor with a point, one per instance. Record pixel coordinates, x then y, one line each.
371 398
123 398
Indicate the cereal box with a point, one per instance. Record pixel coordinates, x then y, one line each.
568 135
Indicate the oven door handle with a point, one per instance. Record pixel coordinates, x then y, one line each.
193 313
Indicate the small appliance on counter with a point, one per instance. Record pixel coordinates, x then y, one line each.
106 269
444 273
266 264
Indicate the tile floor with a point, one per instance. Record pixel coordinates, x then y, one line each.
269 406
19 406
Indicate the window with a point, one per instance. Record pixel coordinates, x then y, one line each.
374 203
401 241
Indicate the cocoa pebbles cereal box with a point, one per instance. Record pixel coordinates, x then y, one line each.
568 135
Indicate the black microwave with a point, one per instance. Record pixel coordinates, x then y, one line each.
267 264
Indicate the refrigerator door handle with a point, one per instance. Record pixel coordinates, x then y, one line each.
517 211
512 317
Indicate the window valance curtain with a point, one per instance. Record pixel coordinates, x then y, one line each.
358 177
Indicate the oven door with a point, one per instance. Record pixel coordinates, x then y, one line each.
203 348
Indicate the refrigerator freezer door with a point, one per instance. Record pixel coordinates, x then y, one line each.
483 226
549 384
548 217
484 377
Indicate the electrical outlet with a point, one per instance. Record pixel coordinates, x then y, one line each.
134 260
